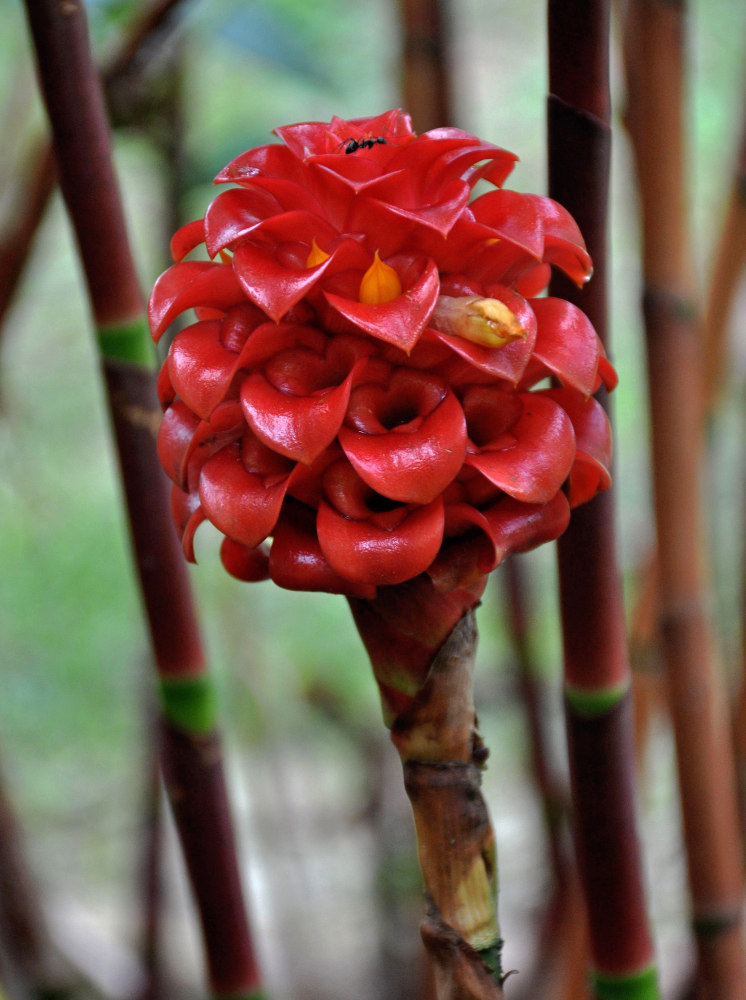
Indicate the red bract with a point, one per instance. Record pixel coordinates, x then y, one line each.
362 397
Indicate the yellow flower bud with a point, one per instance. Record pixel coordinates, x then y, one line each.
487 322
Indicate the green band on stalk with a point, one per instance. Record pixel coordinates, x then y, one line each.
189 703
591 704
127 342
636 986
240 996
711 925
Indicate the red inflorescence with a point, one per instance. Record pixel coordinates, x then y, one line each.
333 395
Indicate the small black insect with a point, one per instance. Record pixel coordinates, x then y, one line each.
352 145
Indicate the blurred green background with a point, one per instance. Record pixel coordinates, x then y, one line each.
299 703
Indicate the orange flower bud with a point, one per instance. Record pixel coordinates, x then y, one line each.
380 284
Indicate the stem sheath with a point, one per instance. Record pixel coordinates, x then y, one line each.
434 728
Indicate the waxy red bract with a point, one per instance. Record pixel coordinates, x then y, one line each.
343 445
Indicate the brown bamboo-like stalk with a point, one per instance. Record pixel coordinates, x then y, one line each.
729 265
597 674
191 756
728 270
654 55
426 82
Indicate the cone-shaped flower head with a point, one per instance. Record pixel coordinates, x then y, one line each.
356 401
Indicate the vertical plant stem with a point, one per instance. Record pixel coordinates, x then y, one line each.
191 757
654 53
728 269
422 645
426 82
597 674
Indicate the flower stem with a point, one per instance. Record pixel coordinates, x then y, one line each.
440 751
430 707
